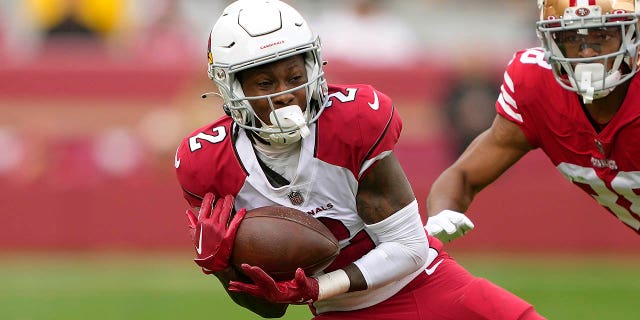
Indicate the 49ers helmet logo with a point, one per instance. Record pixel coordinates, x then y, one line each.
582 12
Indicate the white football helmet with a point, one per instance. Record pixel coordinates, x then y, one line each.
255 32
591 77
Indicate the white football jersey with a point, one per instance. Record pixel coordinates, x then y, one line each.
358 127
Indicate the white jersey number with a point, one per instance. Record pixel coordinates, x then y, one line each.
350 96
619 199
219 133
533 56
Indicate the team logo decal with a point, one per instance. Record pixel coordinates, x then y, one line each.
582 12
296 198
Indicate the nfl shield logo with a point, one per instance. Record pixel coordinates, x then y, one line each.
296 198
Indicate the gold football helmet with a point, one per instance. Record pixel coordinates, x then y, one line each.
607 30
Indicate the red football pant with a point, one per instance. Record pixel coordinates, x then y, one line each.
450 293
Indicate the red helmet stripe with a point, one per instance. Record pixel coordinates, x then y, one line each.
574 3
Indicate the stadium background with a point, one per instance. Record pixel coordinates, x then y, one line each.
89 124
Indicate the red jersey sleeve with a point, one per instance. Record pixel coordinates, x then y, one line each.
207 162
526 76
359 125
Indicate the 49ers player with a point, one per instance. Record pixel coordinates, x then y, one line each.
576 98
290 139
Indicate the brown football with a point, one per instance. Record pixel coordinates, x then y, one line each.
281 239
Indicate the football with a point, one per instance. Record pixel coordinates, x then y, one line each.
281 239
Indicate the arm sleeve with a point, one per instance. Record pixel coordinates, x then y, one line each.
403 248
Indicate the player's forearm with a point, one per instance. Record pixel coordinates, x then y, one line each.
450 191
340 281
402 251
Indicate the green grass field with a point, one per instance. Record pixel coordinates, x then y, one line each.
168 286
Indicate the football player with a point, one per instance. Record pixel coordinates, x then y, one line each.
576 98
291 139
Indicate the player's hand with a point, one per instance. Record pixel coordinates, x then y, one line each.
214 234
299 290
448 225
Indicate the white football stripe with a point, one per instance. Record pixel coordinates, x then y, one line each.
508 109
507 98
508 82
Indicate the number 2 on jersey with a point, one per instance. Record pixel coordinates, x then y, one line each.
219 133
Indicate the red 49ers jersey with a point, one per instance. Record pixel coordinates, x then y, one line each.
606 164
358 127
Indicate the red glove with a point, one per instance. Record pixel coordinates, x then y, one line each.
212 237
300 290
